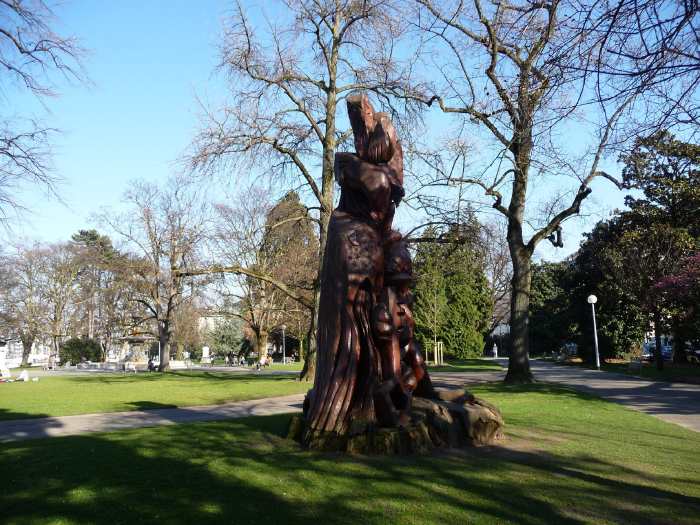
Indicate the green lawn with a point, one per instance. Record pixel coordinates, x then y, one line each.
569 459
683 373
671 372
291 367
82 394
467 365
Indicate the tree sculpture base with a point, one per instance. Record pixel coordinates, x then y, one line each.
457 419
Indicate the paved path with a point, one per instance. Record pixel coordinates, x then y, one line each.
675 402
71 425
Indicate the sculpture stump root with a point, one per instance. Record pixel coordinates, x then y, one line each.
457 419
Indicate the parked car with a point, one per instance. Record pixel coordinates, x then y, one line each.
667 352
649 349
570 349
693 353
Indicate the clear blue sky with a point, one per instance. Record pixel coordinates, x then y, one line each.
147 61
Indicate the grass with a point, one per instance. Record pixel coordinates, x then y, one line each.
291 367
570 459
467 365
684 373
673 372
83 394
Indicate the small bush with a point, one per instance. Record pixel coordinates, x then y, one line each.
80 349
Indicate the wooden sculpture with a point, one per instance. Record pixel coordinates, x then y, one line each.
368 361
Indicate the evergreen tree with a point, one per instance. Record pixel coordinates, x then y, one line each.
668 173
431 297
453 302
550 306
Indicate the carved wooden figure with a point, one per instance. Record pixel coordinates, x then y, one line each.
368 364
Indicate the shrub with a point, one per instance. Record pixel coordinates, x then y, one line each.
80 348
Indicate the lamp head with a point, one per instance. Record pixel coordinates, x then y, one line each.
592 299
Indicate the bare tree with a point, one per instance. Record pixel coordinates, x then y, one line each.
644 42
24 310
498 269
60 287
256 238
512 73
286 88
31 54
163 230
102 307
186 334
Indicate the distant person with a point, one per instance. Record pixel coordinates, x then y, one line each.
151 365
495 350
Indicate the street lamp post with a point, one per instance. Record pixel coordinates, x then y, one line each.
284 345
592 299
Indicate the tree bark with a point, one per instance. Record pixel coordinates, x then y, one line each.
261 340
679 354
519 364
164 339
27 343
658 355
54 351
308 372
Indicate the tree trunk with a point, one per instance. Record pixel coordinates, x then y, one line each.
519 363
679 354
658 355
261 340
308 372
164 339
54 351
27 343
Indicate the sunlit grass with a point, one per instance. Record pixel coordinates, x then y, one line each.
671 371
82 394
570 458
467 365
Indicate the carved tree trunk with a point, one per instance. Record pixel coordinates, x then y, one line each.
348 362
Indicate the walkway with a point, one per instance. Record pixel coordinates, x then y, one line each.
674 402
22 429
677 403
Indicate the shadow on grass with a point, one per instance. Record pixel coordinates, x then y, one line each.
149 405
194 375
651 397
467 365
11 429
243 471
228 376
